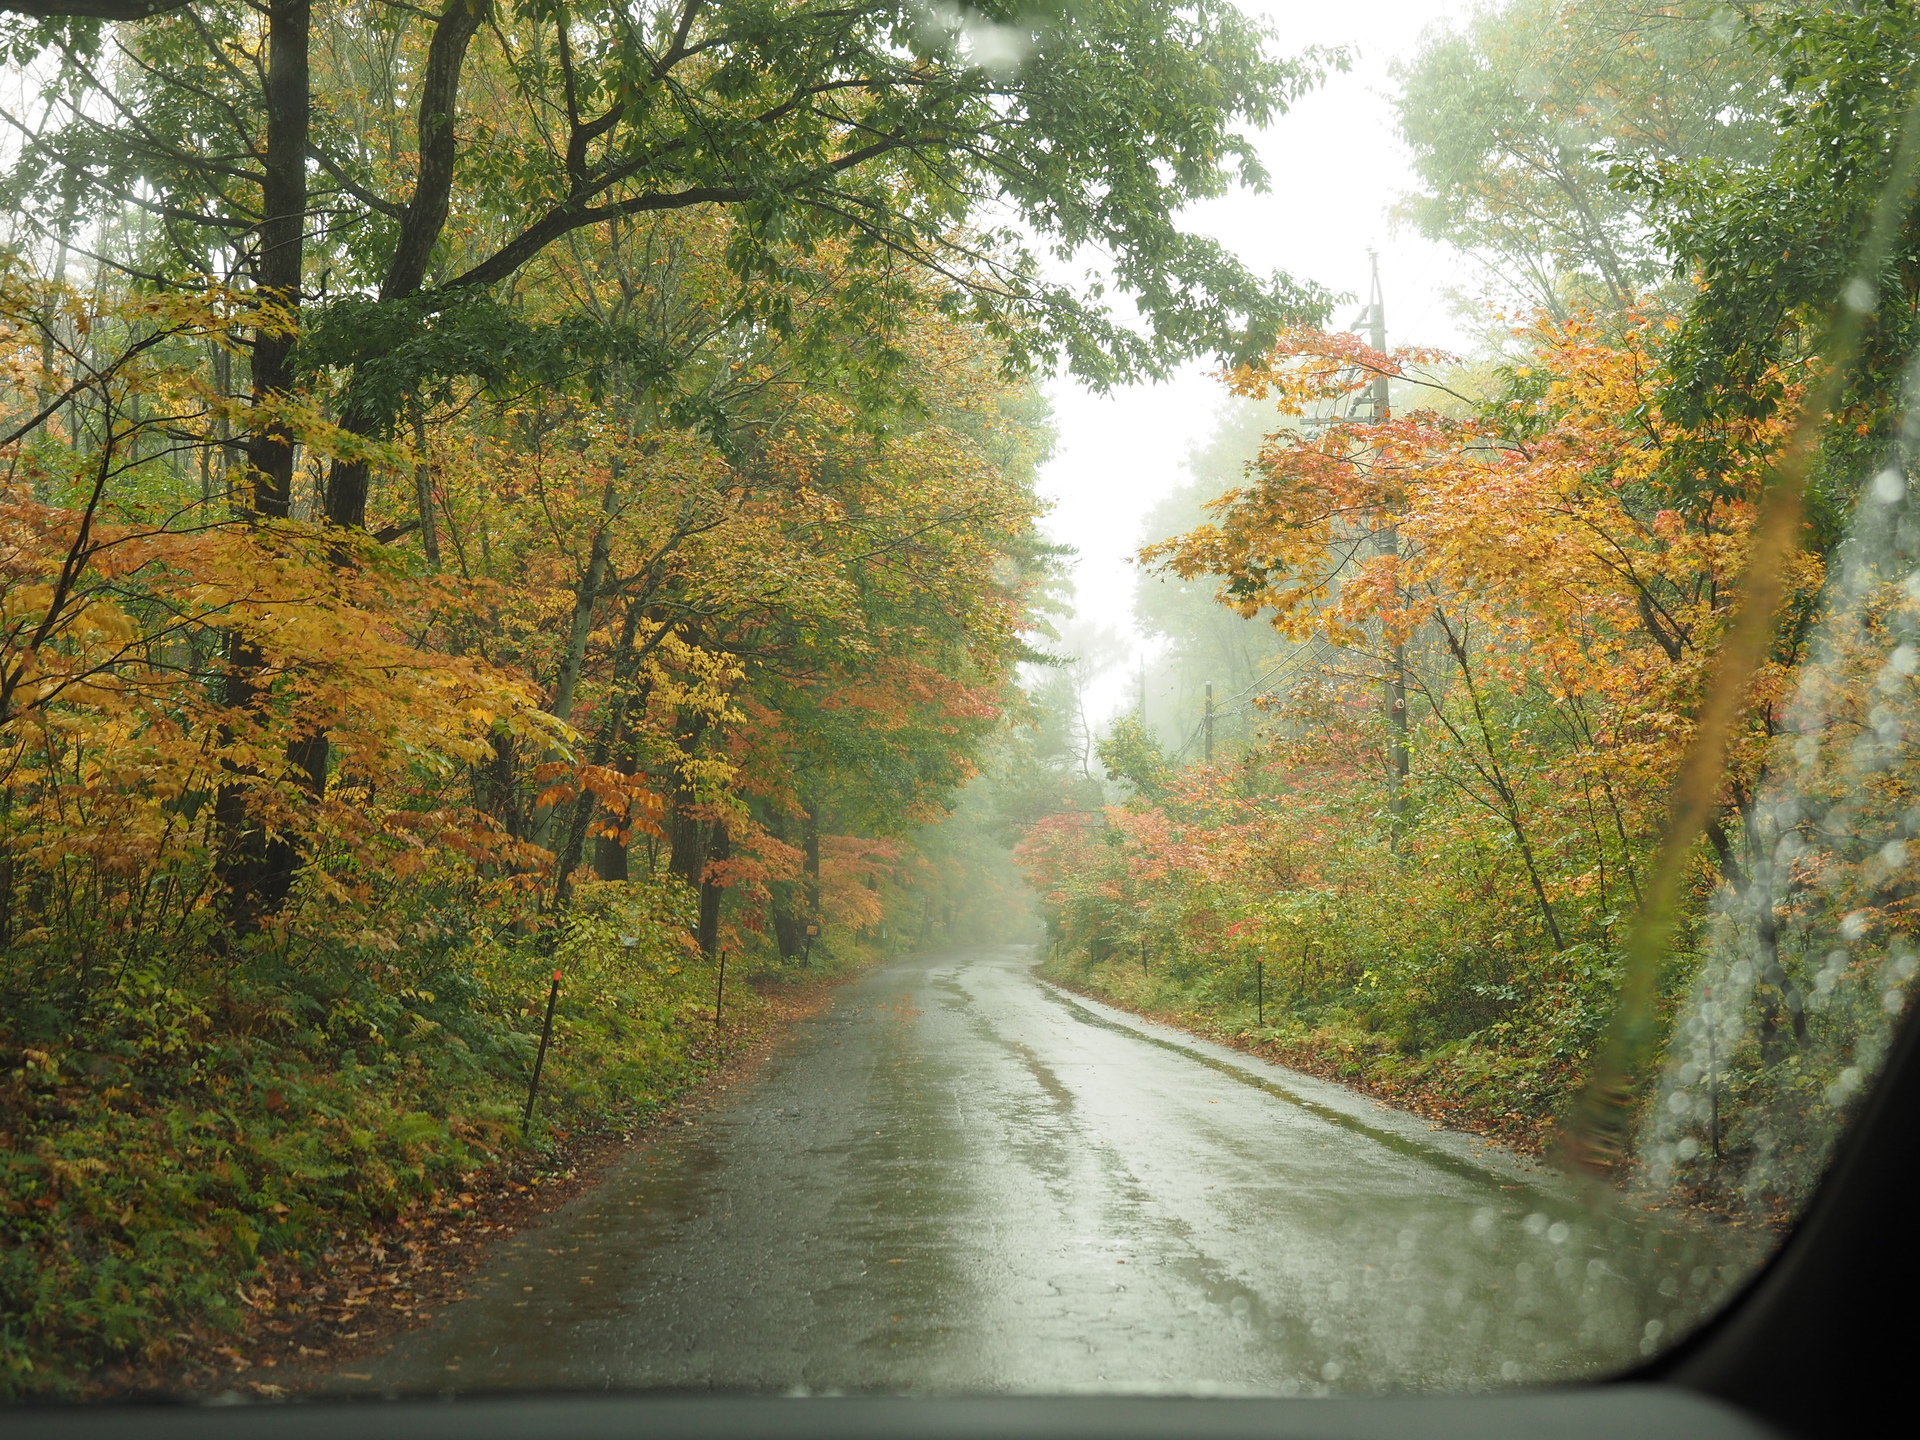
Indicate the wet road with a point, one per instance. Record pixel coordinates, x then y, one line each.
960 1178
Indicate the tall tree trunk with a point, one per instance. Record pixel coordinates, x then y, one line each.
9 871
610 740
420 227
686 834
256 870
586 597
784 901
573 657
719 847
614 745
423 491
279 270
686 846
1394 686
810 834
610 851
496 784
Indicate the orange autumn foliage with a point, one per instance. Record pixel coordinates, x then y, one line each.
1543 579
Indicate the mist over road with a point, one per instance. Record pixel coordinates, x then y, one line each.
961 1178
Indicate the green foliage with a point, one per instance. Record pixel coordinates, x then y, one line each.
412 349
1132 756
881 129
1776 242
1519 122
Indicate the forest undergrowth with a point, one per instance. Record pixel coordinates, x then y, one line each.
367 1272
170 1220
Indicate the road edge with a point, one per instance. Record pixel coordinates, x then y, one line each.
1352 1102
288 1351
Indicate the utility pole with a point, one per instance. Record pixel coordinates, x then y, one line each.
1387 539
1208 723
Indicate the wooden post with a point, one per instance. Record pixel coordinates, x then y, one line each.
1260 991
540 1056
720 987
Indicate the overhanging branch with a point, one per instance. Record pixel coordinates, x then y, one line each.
91 9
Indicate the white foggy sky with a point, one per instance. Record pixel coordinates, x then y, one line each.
1337 167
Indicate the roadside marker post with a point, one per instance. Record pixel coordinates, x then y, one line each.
540 1056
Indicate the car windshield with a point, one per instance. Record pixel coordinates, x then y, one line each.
1136 696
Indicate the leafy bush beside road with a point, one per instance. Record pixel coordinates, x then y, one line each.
164 1146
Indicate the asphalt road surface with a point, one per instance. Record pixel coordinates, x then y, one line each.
960 1178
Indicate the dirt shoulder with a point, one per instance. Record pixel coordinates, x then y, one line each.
374 1286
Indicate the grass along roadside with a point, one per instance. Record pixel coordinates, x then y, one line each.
305 1326
1513 1098
1498 1095
201 1148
